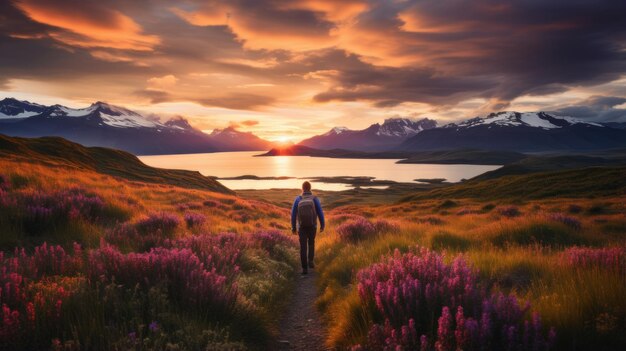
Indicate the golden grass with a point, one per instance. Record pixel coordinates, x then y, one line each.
515 254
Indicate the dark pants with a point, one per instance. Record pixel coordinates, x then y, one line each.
307 238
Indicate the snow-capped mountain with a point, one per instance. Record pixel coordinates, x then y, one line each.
516 119
515 131
234 140
12 109
377 137
102 124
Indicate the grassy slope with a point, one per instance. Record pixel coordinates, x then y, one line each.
586 182
29 172
519 254
534 164
60 152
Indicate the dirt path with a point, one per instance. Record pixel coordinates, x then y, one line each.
301 327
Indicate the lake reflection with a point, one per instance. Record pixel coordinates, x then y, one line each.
233 164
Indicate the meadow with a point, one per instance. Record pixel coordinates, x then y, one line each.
92 261
464 274
105 262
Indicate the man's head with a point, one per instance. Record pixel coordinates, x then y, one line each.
306 187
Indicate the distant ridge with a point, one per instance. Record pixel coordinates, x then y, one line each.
103 124
573 183
377 137
60 152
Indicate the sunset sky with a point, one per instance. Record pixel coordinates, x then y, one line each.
286 68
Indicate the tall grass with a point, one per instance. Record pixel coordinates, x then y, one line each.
152 267
564 266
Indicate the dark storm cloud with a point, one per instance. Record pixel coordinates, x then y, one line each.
491 49
383 52
597 108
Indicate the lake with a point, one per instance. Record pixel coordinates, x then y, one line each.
233 164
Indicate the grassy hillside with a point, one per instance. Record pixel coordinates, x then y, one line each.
95 260
534 164
415 274
586 182
60 152
91 261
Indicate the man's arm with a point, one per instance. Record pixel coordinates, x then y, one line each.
320 213
294 213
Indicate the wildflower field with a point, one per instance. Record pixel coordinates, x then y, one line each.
461 274
92 261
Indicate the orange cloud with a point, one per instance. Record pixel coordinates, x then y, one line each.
333 10
250 123
259 26
87 24
162 83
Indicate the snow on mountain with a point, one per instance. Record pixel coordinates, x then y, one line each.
515 119
234 140
337 130
403 127
228 132
376 137
521 132
111 115
13 109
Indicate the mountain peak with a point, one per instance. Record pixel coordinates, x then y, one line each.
540 119
179 122
337 130
376 137
11 109
404 127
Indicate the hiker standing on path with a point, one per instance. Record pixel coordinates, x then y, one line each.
306 210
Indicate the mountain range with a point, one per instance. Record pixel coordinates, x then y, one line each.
521 132
501 131
376 137
106 125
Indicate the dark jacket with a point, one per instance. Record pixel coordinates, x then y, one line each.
318 209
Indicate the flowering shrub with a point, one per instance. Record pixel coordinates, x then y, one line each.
219 253
415 294
158 222
567 220
189 283
510 211
356 230
339 218
606 258
194 219
382 226
127 235
28 303
37 211
270 239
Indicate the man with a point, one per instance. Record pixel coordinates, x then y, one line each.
306 211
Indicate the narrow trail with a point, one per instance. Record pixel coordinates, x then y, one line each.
301 327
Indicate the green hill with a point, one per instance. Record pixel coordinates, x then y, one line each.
584 182
56 151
